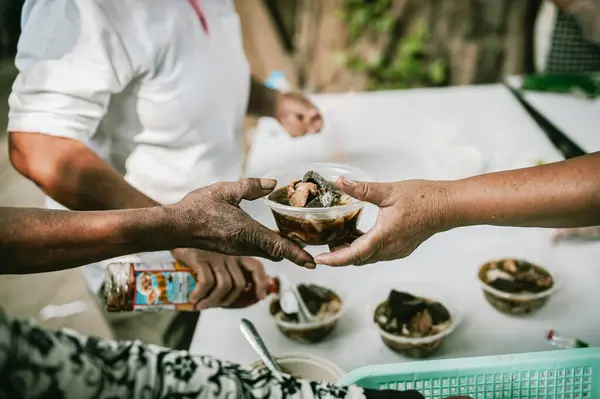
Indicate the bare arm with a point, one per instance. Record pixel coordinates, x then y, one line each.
41 240
72 174
262 101
562 194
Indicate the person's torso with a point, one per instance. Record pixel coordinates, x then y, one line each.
177 125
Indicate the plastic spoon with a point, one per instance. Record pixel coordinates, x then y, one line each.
256 342
287 304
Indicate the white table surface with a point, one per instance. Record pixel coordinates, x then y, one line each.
381 133
578 118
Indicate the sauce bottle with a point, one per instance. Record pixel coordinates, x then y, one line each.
164 286
248 296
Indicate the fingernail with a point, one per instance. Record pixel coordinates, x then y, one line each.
268 184
310 265
318 260
348 182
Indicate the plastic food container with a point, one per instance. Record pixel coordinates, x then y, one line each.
316 226
312 332
566 373
514 303
308 367
416 347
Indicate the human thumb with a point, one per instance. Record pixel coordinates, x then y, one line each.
374 193
251 189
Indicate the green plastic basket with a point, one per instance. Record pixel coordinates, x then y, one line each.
558 374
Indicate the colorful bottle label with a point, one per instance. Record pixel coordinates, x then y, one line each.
162 286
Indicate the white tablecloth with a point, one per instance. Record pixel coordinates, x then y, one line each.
422 133
578 118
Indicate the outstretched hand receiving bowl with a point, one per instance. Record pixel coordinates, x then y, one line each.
409 213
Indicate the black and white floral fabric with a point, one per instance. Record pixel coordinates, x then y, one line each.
37 363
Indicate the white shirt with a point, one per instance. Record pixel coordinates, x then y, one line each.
142 83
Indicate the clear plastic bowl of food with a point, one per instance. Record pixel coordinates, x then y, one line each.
415 347
515 303
306 366
311 332
315 226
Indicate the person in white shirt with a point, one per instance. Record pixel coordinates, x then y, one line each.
129 104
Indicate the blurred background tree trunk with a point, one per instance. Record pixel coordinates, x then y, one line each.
264 44
339 45
482 40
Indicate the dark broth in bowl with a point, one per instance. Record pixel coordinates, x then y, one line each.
323 303
411 317
314 192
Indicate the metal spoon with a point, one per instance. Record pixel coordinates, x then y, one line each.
256 342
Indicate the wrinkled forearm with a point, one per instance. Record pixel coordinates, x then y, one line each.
42 240
262 99
561 194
